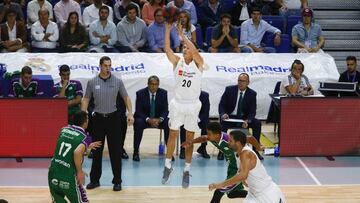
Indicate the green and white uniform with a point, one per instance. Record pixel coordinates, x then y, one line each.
19 91
62 171
231 159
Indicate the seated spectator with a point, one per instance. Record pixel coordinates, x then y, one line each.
156 34
147 12
91 13
209 13
224 38
73 37
252 32
307 36
187 6
103 33
351 74
62 10
240 12
44 33
69 89
131 32
25 86
296 83
13 34
151 111
202 123
187 28
239 102
120 9
7 4
33 8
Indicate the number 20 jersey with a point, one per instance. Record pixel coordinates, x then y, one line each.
188 81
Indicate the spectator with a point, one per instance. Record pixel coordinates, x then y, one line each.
297 83
44 33
202 123
156 34
62 10
252 32
107 120
91 13
103 33
240 12
209 13
7 4
224 37
147 12
272 8
151 112
73 37
120 9
69 89
307 36
239 102
26 86
292 7
187 28
33 8
351 74
13 34
131 32
187 6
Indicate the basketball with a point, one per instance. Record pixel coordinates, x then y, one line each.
171 14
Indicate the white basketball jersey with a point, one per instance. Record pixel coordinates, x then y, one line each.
188 81
258 179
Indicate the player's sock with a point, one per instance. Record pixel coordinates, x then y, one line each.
168 163
187 167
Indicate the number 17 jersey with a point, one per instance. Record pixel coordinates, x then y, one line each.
188 81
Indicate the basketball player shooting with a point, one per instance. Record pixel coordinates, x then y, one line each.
185 106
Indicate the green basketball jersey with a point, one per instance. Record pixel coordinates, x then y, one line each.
18 90
70 138
229 154
72 90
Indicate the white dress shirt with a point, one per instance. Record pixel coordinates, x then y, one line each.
38 32
237 101
91 13
33 8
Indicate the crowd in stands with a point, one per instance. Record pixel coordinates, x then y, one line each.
138 26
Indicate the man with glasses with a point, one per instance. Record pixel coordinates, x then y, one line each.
239 102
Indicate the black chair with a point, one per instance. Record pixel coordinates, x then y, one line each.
274 112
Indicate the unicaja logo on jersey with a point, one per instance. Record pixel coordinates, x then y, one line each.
180 72
55 181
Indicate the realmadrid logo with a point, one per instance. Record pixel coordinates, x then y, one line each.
55 181
37 65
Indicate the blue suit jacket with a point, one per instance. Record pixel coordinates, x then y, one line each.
229 99
205 107
142 108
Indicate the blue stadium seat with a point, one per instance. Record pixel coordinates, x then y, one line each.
284 47
238 29
208 36
275 21
199 38
228 4
291 22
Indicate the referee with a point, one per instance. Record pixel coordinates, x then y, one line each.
107 120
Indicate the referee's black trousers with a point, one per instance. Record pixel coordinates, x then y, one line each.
110 126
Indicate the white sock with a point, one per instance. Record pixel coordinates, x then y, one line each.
187 167
168 163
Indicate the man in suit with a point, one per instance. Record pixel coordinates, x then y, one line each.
240 12
202 123
351 74
13 34
151 111
239 102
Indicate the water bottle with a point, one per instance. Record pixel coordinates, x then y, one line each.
161 148
276 151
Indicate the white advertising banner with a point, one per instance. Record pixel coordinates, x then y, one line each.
134 68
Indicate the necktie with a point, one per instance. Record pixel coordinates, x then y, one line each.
239 112
152 106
